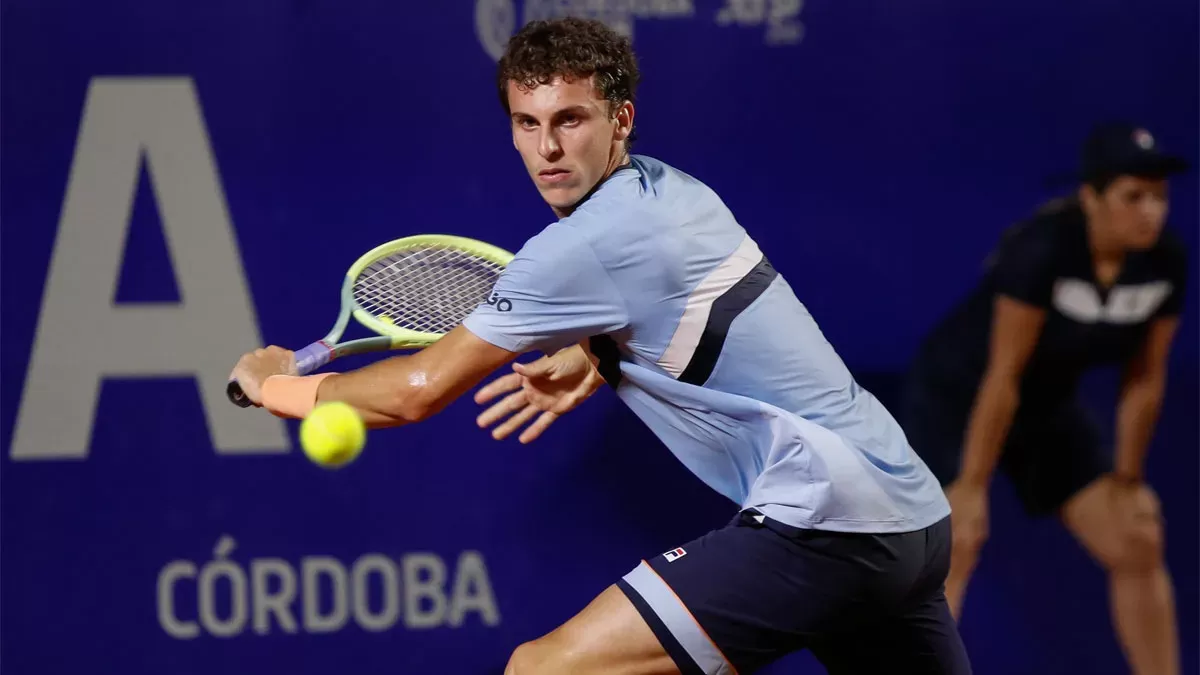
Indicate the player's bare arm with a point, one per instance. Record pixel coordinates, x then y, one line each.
395 391
1015 331
1142 389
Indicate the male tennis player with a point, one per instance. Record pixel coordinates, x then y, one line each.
842 543
1090 280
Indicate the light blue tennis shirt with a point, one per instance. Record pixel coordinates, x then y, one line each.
717 355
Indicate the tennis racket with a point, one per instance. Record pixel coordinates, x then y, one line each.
409 292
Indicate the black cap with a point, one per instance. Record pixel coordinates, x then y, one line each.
1122 149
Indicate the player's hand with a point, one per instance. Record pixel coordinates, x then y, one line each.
969 520
255 367
552 385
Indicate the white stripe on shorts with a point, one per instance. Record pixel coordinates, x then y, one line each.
675 615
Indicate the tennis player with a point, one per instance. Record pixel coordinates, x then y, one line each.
1091 280
842 540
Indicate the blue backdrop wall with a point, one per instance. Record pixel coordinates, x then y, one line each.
184 181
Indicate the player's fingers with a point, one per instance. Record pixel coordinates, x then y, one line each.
498 386
248 385
515 422
537 368
536 429
505 407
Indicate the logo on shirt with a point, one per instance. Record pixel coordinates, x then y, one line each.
501 304
674 554
1080 301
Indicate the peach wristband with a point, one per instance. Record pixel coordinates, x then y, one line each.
291 396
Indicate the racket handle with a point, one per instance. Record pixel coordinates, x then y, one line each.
308 360
234 391
313 357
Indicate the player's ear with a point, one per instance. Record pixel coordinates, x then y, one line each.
624 119
1088 198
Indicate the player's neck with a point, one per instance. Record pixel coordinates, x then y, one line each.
1105 246
619 159
1108 255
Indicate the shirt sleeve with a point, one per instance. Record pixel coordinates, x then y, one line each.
1175 269
1023 267
554 293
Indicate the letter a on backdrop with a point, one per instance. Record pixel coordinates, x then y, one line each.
82 334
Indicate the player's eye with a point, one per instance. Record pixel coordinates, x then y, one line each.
527 123
569 120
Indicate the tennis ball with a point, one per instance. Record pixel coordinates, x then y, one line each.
333 434
388 320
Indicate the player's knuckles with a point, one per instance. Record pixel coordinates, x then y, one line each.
244 368
1147 501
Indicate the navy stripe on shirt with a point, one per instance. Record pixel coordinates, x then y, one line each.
724 310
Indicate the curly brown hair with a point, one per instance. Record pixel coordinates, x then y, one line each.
570 48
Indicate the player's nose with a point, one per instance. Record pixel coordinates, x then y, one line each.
548 146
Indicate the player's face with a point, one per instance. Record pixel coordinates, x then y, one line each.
569 138
1134 209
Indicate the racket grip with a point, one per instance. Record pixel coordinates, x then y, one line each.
308 359
234 391
313 357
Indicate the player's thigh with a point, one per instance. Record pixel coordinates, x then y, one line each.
745 595
918 635
1052 454
607 636
923 640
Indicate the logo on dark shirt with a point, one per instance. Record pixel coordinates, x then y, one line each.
1127 304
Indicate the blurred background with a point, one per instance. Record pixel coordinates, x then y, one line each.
184 181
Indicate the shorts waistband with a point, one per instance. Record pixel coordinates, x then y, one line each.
754 518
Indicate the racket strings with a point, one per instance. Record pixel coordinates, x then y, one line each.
428 290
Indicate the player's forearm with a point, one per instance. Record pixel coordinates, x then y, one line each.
995 406
1137 414
405 389
389 393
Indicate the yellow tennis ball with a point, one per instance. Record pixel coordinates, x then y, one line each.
387 320
333 434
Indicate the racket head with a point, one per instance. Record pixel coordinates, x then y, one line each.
416 289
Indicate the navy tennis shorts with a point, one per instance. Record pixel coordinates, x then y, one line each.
742 596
